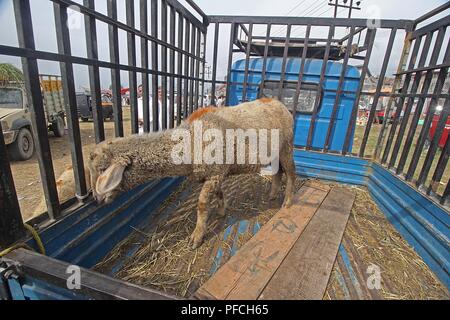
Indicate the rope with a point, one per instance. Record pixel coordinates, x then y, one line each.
36 237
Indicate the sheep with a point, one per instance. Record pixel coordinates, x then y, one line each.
124 163
65 186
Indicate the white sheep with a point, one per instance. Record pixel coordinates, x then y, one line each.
125 163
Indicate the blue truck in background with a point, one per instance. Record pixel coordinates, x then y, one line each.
310 91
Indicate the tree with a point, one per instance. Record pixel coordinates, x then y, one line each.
9 73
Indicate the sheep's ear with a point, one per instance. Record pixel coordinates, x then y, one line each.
110 179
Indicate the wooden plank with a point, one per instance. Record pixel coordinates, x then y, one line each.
247 273
305 272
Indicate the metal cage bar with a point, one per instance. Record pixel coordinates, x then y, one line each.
337 100
131 41
397 81
187 43
434 144
409 104
145 65
180 69
247 62
192 70
94 73
155 62
266 52
322 79
67 77
230 61
25 36
172 68
399 103
370 38
115 72
283 65
378 91
214 66
420 103
197 71
164 110
11 222
301 72
427 122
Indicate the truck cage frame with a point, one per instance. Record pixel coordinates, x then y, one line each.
178 46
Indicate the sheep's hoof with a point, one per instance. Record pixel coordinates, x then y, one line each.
195 241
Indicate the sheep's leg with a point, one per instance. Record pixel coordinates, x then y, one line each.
287 162
276 183
210 188
221 202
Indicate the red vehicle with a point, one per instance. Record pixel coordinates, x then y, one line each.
444 136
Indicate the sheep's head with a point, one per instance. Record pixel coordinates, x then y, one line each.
106 173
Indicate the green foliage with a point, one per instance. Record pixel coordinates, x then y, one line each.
10 74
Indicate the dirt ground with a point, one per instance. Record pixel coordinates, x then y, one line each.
26 174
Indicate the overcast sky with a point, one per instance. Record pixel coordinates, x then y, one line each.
43 23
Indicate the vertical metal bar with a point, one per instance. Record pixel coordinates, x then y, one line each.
410 101
115 72
230 62
376 98
11 223
197 70
340 86
440 168
25 36
144 64
203 69
187 38
180 70
214 71
301 73
155 85
172 69
70 99
283 65
247 62
266 53
371 33
131 44
397 81
421 101
434 145
399 103
164 64
321 81
94 73
192 70
446 194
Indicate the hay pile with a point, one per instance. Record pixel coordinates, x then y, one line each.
373 240
161 258
164 261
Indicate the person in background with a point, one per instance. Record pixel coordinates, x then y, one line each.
221 101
